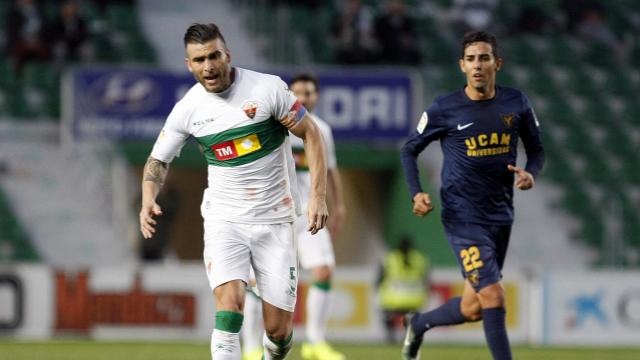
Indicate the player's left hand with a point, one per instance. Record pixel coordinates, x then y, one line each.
317 214
524 179
422 204
147 223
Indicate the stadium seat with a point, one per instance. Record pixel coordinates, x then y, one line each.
618 82
631 112
597 111
601 55
437 50
506 78
104 49
8 78
137 49
123 17
561 51
560 110
17 104
14 242
5 6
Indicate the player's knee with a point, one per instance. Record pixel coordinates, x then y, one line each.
491 296
277 330
471 310
230 302
322 274
230 296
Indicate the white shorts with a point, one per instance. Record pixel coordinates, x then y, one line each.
230 249
314 250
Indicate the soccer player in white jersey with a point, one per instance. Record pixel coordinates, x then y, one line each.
240 119
315 251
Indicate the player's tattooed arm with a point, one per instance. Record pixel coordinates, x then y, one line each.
155 171
153 177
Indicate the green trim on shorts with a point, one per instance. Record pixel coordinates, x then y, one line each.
281 343
229 321
322 285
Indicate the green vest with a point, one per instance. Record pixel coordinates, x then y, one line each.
403 287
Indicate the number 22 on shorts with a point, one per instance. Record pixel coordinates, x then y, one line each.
471 258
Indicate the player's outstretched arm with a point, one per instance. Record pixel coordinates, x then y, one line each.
524 179
153 177
422 204
314 149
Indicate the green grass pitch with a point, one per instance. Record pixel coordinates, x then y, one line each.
81 350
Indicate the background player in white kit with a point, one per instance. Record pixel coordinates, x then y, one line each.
240 118
315 251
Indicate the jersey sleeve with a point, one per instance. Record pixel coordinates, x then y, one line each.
173 136
430 127
285 103
330 148
530 135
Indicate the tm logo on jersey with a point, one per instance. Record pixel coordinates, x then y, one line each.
235 148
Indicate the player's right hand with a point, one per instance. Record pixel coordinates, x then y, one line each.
422 204
317 215
147 223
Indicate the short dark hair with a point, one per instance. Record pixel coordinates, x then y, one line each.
480 36
201 33
305 77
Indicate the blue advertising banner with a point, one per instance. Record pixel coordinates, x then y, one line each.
121 104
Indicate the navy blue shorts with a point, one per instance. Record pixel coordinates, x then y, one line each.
480 250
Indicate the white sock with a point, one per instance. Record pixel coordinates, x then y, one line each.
273 351
318 311
225 345
252 328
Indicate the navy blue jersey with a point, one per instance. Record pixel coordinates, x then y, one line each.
478 139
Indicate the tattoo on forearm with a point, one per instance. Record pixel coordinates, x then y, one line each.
155 171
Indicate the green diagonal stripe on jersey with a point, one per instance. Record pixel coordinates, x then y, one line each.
242 145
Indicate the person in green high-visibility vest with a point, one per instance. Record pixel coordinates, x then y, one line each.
402 284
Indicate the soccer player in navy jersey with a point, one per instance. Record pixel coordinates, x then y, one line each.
478 127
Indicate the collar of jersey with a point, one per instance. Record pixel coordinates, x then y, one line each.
468 99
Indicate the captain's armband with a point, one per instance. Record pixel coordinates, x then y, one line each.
294 116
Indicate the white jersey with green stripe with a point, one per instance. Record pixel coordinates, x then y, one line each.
251 170
302 167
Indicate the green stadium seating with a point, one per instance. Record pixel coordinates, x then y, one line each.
575 78
561 51
610 164
42 82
